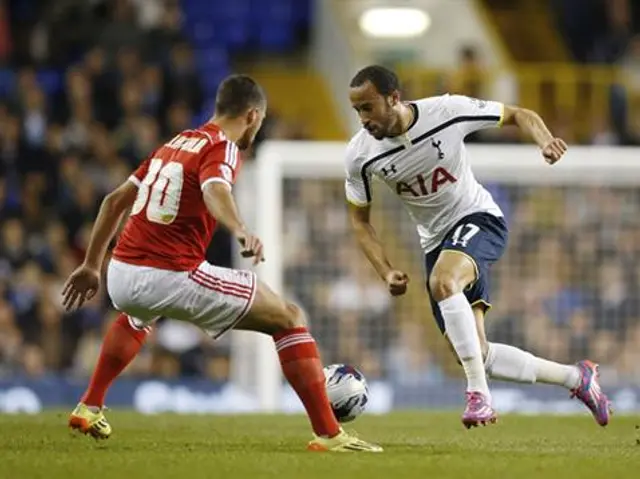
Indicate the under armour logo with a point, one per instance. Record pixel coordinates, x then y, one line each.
391 169
436 145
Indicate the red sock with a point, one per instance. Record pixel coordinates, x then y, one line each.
302 367
119 347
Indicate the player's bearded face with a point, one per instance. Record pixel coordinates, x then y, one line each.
376 111
255 118
388 117
379 123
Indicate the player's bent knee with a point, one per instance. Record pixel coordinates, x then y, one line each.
444 285
292 317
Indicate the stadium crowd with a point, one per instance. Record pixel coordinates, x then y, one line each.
130 81
565 289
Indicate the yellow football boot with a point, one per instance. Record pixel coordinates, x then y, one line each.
343 442
86 421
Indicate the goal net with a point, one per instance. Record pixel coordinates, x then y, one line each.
565 289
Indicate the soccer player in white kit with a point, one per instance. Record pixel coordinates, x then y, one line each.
417 149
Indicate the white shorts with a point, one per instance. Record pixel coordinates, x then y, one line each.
211 297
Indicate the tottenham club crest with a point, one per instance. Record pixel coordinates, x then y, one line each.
436 145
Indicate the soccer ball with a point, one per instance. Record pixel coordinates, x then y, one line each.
347 390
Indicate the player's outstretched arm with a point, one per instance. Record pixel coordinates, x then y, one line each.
221 205
374 251
109 218
83 283
530 122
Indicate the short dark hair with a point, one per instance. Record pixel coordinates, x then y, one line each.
237 94
385 81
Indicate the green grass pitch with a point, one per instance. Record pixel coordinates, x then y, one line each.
417 445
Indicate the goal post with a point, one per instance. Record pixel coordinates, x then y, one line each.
266 177
555 214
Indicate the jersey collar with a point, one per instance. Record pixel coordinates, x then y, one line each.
416 114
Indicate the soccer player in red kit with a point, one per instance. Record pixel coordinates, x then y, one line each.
176 197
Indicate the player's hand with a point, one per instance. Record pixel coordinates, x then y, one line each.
251 247
397 282
554 150
82 285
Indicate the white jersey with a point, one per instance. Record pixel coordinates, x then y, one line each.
427 167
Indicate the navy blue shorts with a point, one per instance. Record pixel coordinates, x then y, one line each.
483 238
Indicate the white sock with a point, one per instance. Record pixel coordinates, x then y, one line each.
460 325
508 363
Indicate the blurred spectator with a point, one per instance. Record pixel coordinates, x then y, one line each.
178 118
182 83
121 32
469 77
164 33
10 339
630 63
148 13
602 133
35 118
410 364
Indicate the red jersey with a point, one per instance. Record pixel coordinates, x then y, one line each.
170 226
